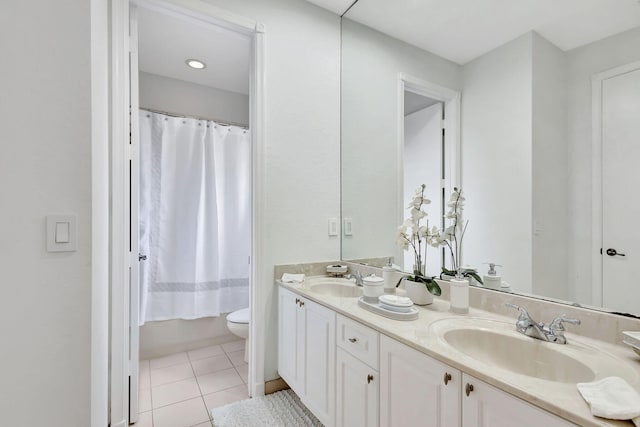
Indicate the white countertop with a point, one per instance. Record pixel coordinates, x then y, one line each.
561 399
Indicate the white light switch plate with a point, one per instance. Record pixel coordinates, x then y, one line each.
348 227
62 233
333 226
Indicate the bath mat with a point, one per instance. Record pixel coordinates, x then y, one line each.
278 409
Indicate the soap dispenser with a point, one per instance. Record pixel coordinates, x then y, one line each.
491 279
387 275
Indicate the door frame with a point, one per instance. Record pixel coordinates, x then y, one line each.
597 81
116 24
451 100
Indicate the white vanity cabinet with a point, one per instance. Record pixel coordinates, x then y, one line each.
357 377
306 352
416 390
486 406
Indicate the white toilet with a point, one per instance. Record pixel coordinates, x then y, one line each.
238 324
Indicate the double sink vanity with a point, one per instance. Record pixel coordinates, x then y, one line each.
352 367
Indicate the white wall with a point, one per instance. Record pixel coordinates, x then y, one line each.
422 154
496 160
302 85
190 99
172 336
372 62
45 158
583 63
550 178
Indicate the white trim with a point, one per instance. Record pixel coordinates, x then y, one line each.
451 100
119 386
259 274
99 213
596 177
120 115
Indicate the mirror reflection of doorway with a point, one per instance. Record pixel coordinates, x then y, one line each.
424 164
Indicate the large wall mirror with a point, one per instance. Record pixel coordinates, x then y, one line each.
532 107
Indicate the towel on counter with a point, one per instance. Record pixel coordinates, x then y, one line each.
290 278
612 398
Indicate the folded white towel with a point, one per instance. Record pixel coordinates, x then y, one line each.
290 278
612 398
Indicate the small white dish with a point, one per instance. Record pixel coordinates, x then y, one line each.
395 301
394 308
632 339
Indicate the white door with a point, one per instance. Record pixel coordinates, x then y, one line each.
356 392
416 390
620 204
486 406
134 228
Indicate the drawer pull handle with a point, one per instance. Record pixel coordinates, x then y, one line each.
369 379
468 389
447 378
352 340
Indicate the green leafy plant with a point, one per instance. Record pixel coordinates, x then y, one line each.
429 283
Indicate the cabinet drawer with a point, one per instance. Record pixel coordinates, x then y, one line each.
358 340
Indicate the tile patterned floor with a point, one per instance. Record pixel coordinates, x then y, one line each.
181 389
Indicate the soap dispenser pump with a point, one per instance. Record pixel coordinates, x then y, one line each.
491 279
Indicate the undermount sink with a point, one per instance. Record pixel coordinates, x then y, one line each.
336 287
497 344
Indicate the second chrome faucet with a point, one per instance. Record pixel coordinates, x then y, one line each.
529 327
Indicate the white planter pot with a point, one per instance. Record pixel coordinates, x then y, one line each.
418 292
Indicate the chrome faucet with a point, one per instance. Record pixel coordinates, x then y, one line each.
529 327
357 275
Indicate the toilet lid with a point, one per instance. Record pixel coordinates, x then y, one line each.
239 316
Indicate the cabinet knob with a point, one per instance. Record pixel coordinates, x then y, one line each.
447 378
301 303
369 379
298 301
468 389
352 340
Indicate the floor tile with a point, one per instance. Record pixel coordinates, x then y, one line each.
207 424
224 397
178 391
184 414
243 371
143 374
171 374
163 362
233 346
205 352
144 399
144 420
211 364
237 357
221 380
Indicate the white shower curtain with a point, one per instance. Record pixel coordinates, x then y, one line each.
195 217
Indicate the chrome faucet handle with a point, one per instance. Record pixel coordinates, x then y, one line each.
556 328
524 319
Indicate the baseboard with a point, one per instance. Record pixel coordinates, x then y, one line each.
275 385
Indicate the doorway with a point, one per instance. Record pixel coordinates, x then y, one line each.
184 106
616 242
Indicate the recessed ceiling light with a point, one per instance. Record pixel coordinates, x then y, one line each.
194 63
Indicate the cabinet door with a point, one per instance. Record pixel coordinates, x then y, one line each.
290 358
357 392
413 390
486 406
319 361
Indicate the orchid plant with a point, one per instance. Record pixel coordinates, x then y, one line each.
412 235
453 235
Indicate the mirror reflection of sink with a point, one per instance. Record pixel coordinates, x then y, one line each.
525 357
336 288
496 344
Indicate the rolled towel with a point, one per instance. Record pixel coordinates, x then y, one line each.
612 398
290 278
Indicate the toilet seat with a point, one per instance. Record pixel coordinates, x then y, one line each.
239 316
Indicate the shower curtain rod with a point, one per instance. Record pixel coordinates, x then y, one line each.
219 122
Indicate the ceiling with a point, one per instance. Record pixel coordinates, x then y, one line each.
462 30
166 41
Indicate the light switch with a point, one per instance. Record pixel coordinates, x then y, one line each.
348 227
62 232
333 226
